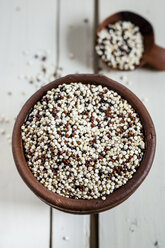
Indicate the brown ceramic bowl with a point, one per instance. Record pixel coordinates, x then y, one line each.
85 206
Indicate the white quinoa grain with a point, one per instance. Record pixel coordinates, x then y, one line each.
2 131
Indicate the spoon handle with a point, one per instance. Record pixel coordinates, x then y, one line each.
156 57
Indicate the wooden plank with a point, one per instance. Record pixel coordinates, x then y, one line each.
70 230
27 26
140 221
76 36
75 55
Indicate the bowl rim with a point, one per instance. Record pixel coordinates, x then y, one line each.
81 206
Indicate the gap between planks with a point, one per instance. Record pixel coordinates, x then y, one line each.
94 218
51 228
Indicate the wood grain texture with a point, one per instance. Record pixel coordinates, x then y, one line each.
24 220
140 221
70 231
76 36
24 25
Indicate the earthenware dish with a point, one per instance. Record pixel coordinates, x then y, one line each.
85 206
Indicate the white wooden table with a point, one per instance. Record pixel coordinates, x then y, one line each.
62 28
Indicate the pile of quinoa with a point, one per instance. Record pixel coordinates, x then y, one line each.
83 141
120 45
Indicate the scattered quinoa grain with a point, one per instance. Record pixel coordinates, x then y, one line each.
65 238
44 58
2 131
86 20
71 55
29 62
23 93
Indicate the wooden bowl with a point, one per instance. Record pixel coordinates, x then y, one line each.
85 206
153 55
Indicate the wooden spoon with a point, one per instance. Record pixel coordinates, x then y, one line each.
154 55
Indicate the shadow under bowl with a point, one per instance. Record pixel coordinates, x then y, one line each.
80 206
